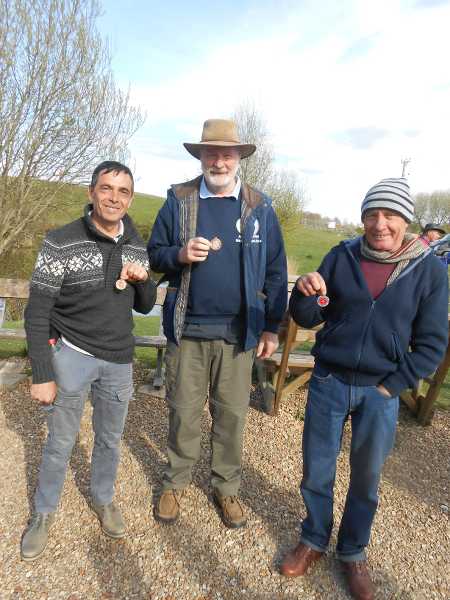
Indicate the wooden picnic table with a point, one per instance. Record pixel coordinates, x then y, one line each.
288 370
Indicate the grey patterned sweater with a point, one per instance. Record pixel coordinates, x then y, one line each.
73 293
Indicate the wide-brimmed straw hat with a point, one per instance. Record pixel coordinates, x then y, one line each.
222 133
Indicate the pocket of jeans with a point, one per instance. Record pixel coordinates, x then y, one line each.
57 347
321 374
68 401
124 395
380 393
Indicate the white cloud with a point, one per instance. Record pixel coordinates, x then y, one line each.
374 67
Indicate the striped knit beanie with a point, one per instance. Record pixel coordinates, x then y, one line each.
392 194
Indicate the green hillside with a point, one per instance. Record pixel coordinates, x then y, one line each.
20 260
305 249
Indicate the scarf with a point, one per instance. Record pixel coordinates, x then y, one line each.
412 248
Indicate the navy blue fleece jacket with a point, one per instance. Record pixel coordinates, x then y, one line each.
394 340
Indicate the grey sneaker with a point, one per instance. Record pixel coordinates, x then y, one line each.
35 536
110 519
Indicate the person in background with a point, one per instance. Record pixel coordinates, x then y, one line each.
384 307
432 232
219 243
88 277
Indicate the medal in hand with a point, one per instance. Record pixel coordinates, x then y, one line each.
216 244
323 301
120 284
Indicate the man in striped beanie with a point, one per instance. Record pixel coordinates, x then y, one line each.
392 194
385 327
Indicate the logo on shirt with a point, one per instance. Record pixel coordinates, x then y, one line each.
255 237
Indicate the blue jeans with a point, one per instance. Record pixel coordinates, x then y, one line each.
112 387
373 420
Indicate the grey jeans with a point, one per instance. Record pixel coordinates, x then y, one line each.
112 387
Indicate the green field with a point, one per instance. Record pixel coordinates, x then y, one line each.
20 260
305 249
142 326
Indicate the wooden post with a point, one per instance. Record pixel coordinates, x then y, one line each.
2 311
426 404
281 376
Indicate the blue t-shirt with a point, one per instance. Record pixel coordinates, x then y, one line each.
216 290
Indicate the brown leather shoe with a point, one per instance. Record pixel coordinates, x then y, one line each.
231 509
358 579
298 561
167 509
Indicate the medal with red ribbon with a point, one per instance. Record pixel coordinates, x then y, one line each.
323 301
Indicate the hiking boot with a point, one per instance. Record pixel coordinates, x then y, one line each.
232 511
110 519
35 536
298 560
167 509
358 579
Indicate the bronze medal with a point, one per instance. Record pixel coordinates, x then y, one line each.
121 284
216 244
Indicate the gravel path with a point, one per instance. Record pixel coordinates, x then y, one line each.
199 558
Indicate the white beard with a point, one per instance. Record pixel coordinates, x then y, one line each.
220 180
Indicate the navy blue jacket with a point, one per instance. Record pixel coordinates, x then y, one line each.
394 340
264 267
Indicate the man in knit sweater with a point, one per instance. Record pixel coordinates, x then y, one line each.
219 243
88 277
383 299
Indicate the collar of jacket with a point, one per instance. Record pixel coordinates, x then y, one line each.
187 195
250 196
129 230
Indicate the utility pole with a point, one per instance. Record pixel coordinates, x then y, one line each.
405 163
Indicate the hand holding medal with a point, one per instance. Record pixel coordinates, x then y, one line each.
131 272
313 284
197 249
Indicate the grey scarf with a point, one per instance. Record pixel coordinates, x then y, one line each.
411 248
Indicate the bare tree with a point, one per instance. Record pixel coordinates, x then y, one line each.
421 209
60 110
289 198
285 188
432 208
257 169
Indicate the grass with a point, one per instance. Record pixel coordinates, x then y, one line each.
142 326
304 247
9 348
19 261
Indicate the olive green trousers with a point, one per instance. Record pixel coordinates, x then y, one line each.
193 369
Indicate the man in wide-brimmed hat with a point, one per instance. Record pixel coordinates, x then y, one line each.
385 327
432 232
219 243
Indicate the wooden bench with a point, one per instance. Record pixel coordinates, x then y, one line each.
19 289
273 372
287 361
422 404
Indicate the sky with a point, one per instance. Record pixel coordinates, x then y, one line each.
346 89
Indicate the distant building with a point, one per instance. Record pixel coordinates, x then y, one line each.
331 224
